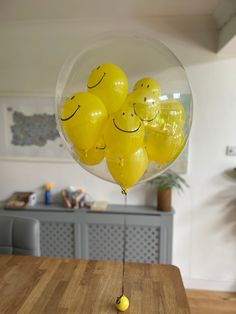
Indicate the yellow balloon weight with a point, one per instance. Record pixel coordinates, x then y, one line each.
124 132
110 84
148 84
127 170
145 105
94 155
171 115
82 118
122 303
164 148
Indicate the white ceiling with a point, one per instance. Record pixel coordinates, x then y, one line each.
223 11
16 10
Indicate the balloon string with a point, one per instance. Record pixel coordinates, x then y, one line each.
124 246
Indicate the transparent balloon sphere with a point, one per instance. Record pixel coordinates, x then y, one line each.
124 108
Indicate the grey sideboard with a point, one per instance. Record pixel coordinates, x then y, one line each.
82 233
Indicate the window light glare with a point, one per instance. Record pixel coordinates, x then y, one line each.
176 95
163 97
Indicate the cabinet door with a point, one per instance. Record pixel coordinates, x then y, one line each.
57 239
102 236
149 239
143 239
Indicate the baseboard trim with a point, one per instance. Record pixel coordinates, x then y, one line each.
208 284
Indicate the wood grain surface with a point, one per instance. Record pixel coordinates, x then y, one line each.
211 302
51 285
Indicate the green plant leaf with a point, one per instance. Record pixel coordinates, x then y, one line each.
169 180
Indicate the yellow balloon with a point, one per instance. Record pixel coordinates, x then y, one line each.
127 170
145 105
164 148
94 155
110 84
171 116
154 124
124 132
82 118
148 84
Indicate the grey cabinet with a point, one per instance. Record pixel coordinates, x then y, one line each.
100 235
57 239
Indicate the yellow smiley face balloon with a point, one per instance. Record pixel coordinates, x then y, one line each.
127 170
164 148
171 115
148 84
110 84
144 104
82 118
92 156
124 132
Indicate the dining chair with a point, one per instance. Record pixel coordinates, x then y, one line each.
19 236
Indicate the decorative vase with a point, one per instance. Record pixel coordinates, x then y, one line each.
164 200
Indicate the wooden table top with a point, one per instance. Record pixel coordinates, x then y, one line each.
53 285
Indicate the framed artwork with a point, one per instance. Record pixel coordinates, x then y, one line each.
28 130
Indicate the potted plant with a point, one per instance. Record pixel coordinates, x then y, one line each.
164 183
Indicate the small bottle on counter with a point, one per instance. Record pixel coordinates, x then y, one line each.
48 193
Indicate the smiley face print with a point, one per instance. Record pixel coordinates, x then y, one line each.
148 85
82 117
124 132
110 84
145 106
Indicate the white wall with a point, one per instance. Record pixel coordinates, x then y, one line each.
205 222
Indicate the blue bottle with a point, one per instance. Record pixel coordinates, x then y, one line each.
47 197
48 194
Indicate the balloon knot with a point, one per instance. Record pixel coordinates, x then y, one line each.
123 191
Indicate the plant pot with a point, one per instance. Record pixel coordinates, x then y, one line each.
164 200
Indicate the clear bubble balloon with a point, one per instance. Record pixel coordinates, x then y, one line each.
124 108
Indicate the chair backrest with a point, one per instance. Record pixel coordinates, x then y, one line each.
19 236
